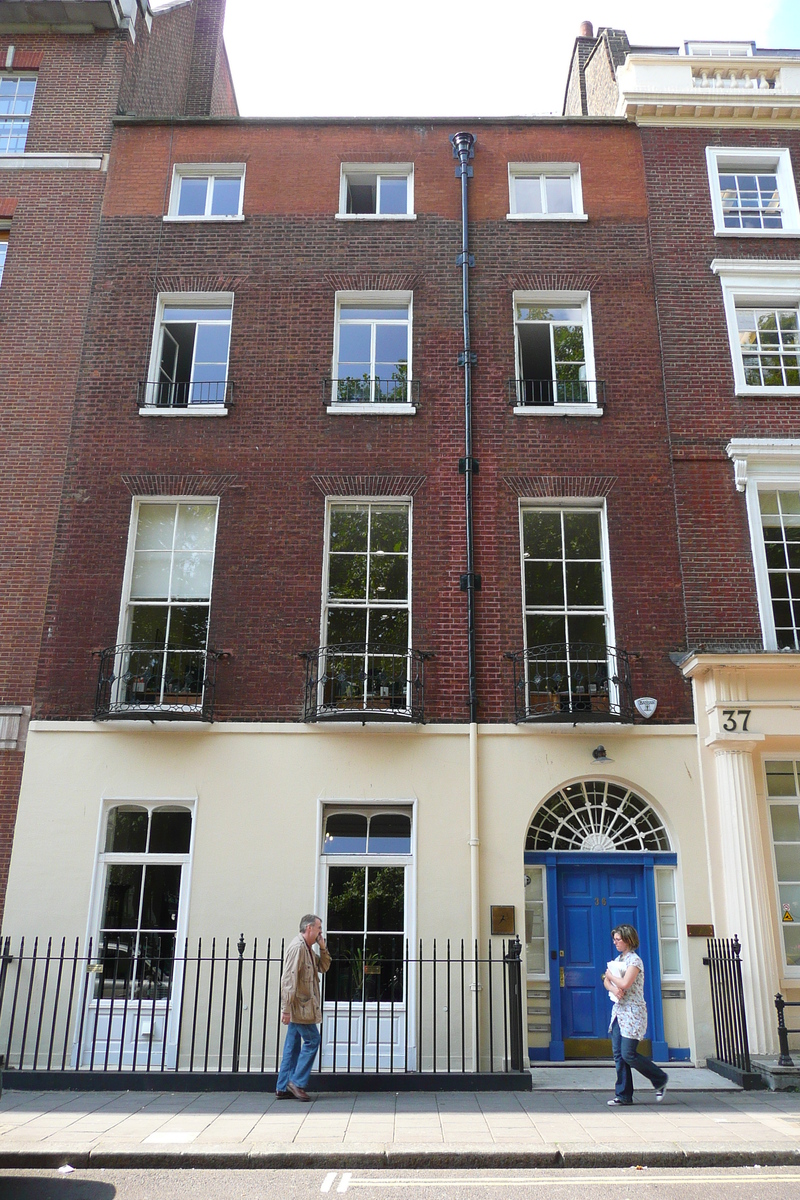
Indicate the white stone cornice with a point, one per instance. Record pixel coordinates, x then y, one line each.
763 456
700 663
753 266
735 743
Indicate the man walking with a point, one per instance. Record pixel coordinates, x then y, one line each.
301 1008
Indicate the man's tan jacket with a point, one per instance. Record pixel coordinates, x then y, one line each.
300 982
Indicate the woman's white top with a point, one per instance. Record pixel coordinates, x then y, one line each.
631 1011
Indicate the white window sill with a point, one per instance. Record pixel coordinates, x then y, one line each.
374 410
53 162
194 410
376 216
204 220
757 233
547 217
767 393
558 410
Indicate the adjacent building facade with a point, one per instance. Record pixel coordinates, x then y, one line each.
270 682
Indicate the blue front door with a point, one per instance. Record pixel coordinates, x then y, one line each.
592 899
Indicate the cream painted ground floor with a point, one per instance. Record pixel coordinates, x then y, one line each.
147 837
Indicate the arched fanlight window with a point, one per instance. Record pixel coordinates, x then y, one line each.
596 815
362 832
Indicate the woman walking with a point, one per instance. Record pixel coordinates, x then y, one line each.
629 1017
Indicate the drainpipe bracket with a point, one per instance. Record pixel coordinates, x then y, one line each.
462 258
462 169
471 464
465 579
467 356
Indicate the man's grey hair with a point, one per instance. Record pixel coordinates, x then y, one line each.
309 919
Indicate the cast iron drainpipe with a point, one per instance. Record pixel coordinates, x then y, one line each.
463 150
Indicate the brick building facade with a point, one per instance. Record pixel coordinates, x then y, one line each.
264 460
71 71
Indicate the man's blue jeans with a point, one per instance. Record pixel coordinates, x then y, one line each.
299 1052
625 1058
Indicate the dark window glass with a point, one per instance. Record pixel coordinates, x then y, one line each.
170 831
390 833
126 832
345 833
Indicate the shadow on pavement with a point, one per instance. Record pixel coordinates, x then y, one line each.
59 1187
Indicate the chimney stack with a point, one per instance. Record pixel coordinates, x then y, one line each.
586 30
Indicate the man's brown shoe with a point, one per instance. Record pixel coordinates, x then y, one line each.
283 1095
298 1092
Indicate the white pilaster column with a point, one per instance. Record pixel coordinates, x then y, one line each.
745 886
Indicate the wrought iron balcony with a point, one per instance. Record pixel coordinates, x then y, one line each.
370 391
549 393
354 681
188 394
578 681
138 682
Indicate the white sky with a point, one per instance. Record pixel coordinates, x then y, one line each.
448 58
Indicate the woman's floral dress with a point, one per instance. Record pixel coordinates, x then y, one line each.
631 1011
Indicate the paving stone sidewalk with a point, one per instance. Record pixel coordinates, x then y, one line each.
572 1128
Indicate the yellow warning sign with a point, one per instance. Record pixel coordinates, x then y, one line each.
787 916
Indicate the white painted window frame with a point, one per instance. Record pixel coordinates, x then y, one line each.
136 506
17 117
101 860
540 976
566 504
740 159
568 170
181 171
669 976
754 283
387 298
789 972
558 299
769 465
398 170
187 300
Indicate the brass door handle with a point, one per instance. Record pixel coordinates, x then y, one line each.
561 977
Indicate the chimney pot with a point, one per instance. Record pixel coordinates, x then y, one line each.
586 29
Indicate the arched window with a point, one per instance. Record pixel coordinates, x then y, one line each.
596 816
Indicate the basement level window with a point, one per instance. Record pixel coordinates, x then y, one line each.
207 192
379 190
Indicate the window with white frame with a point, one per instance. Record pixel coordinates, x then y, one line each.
367 606
567 611
783 798
166 604
382 190
3 252
555 355
16 103
372 349
207 192
720 49
768 472
366 855
535 922
191 346
545 191
668 930
753 192
143 868
762 302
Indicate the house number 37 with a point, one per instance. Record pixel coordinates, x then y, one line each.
733 716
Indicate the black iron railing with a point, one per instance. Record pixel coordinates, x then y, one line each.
784 1058
550 393
171 682
445 1009
370 391
576 681
365 681
727 1002
160 393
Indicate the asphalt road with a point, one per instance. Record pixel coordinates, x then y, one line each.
749 1183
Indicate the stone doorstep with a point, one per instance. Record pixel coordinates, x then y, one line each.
777 1078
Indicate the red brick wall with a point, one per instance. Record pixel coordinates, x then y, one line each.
284 264
704 412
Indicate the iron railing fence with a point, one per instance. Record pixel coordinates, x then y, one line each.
186 393
140 682
550 393
367 390
575 681
727 1002
442 1009
361 681
784 1058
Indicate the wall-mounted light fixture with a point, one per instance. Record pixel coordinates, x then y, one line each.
599 754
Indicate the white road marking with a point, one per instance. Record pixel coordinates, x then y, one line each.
609 1181
327 1182
344 1182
